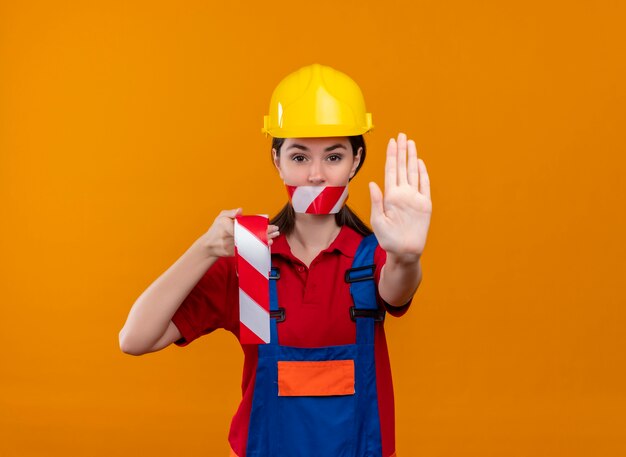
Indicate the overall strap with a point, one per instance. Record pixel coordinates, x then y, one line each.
363 290
276 314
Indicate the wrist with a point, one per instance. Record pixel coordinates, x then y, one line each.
403 260
204 246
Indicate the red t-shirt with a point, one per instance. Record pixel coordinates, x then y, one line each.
316 301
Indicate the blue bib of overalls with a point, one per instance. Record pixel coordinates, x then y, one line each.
345 425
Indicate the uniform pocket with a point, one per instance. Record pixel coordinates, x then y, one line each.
315 378
316 408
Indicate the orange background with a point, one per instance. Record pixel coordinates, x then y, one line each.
125 127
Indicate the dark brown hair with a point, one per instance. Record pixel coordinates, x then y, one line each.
286 218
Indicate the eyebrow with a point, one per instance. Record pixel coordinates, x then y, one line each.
304 148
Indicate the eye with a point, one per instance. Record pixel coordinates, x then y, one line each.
298 158
335 158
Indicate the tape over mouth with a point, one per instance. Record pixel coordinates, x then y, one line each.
317 199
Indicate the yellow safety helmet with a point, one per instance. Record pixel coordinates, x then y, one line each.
317 101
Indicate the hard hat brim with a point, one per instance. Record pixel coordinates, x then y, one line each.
317 131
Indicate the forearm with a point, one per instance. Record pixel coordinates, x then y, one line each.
399 280
151 313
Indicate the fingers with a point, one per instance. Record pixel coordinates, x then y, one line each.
228 224
391 167
397 171
424 180
377 201
413 170
402 178
272 232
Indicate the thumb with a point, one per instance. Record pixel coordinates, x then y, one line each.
377 200
232 213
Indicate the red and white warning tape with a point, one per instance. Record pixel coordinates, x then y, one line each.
317 199
253 267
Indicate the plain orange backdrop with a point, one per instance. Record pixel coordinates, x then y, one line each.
125 127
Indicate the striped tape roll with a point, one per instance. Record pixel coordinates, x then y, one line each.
253 267
317 199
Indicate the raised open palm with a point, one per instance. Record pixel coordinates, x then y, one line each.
401 218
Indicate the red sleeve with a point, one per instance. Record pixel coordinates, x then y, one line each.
380 257
211 304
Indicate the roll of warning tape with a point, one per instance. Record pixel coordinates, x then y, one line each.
253 267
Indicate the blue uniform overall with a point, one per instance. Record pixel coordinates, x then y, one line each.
317 425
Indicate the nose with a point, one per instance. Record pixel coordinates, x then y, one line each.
315 173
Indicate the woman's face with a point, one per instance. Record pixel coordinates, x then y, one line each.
327 161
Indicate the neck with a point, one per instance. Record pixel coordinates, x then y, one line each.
313 232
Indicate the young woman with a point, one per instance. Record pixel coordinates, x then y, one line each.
322 386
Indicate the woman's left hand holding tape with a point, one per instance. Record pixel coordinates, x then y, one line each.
252 236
